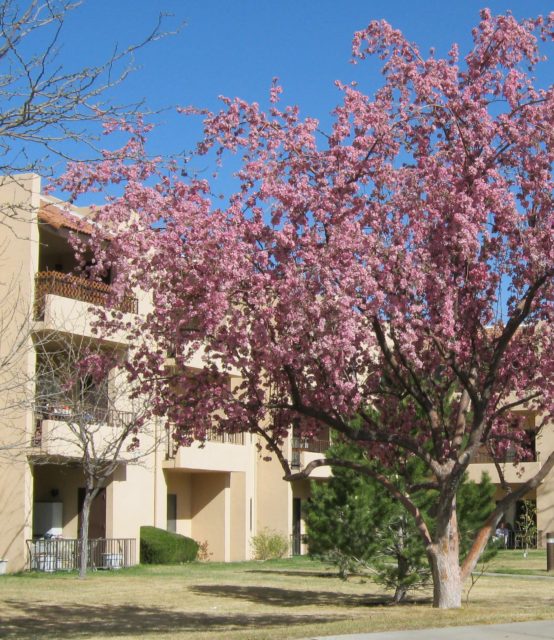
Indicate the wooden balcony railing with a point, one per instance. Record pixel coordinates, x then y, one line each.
75 288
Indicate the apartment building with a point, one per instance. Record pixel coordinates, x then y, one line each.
220 493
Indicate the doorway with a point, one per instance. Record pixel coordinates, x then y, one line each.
296 526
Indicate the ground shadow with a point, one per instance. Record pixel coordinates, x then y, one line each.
29 621
298 573
291 597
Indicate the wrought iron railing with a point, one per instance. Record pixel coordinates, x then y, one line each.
211 436
297 541
306 444
224 438
515 539
64 554
484 457
88 414
75 288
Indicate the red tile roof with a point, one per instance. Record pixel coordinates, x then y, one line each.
58 218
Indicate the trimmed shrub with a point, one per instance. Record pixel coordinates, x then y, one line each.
269 545
158 546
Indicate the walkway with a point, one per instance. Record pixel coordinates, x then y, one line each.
541 630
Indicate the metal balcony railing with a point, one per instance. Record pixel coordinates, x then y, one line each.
484 457
224 438
64 554
92 415
211 436
75 288
306 444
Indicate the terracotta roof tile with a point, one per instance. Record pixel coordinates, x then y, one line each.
58 218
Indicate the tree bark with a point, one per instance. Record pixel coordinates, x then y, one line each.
444 558
90 494
399 595
403 566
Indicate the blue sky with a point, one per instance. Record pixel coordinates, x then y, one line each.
236 48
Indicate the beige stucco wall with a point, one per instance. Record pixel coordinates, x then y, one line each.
320 472
545 508
130 501
15 510
73 317
212 456
238 526
210 494
273 504
18 259
513 474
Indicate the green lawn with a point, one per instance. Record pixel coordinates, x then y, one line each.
292 599
513 562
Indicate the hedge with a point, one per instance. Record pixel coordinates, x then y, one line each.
158 546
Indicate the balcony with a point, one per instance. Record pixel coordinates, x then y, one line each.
304 450
484 457
307 444
72 287
211 436
52 435
219 452
513 473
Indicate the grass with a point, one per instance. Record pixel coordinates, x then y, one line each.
514 563
283 599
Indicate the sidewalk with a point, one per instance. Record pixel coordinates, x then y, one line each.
541 630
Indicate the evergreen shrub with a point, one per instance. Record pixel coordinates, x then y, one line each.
158 546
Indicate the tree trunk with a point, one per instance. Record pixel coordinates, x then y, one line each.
399 594
444 557
90 494
403 568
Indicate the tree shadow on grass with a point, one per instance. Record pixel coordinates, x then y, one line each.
29 621
297 573
291 597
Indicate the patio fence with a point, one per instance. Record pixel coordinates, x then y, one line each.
64 554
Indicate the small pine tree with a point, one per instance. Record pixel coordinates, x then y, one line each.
340 516
356 524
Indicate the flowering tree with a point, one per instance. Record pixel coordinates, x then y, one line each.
392 280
